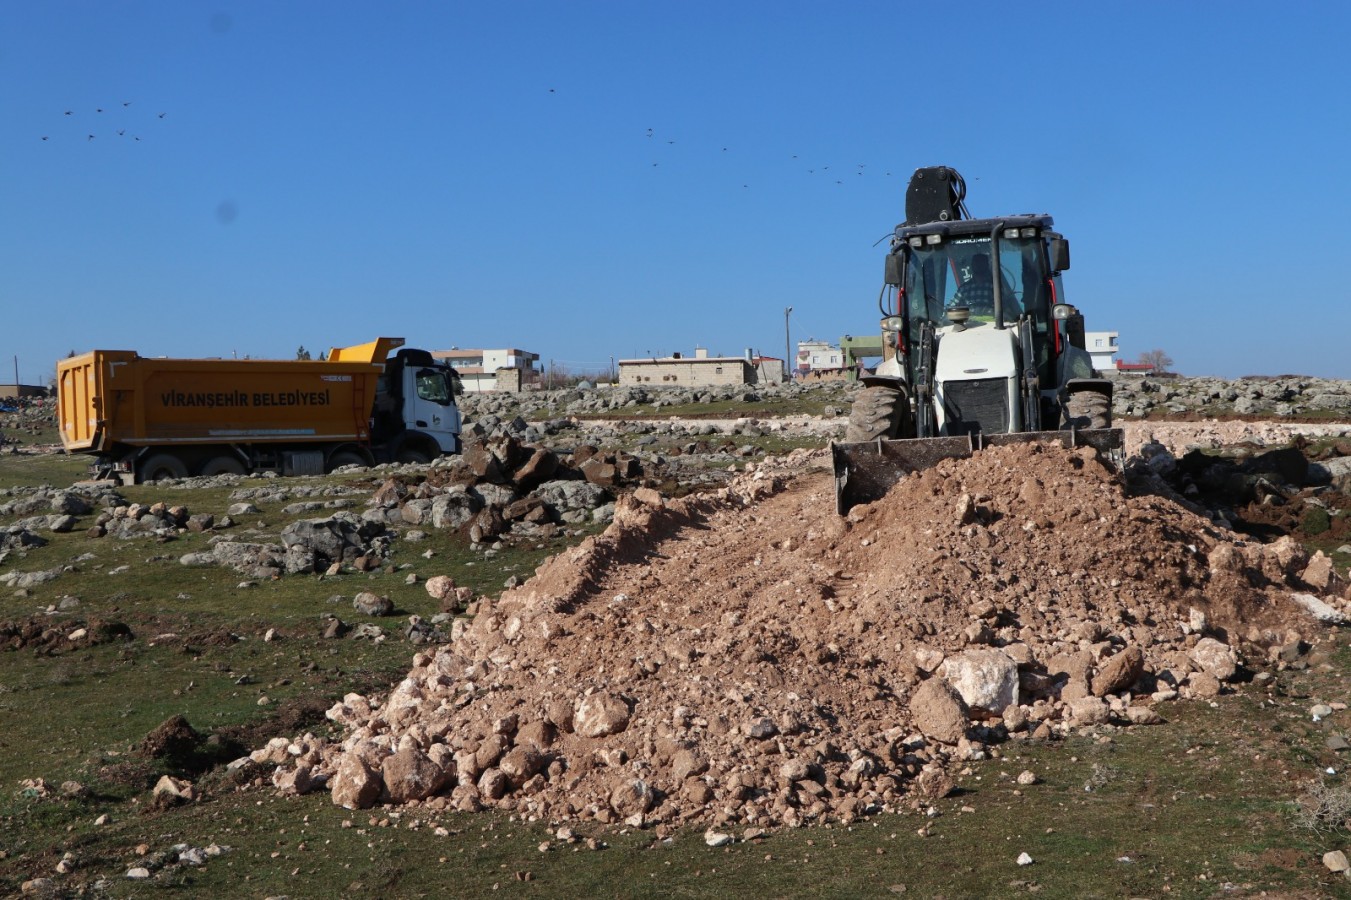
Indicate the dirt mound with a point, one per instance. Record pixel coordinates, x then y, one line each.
750 656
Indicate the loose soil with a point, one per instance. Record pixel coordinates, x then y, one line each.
749 656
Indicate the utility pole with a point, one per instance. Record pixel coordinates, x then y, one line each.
787 346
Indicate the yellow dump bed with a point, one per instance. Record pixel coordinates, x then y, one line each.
108 398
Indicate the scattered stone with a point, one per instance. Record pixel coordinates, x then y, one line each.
717 838
372 604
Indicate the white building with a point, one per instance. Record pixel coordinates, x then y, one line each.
815 356
1102 346
491 370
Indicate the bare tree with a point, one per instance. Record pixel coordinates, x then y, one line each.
1159 360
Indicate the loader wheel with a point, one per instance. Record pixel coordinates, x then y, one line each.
1087 410
163 465
223 465
879 412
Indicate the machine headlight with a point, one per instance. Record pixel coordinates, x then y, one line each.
933 239
892 324
917 242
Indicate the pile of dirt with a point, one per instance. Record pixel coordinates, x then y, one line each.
750 656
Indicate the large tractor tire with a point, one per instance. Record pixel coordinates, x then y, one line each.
878 413
163 465
1088 410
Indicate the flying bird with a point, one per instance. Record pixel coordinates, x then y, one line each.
128 103
121 131
70 112
162 115
98 110
91 137
44 137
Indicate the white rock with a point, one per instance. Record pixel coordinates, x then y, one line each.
138 872
717 838
985 678
1024 859
1318 609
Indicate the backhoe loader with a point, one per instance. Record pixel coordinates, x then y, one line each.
982 348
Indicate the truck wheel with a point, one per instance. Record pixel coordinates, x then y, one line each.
416 448
163 465
879 412
412 455
346 458
223 465
1088 410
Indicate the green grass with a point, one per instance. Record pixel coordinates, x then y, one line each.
31 470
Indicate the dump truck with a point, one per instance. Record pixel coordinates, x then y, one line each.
144 419
981 347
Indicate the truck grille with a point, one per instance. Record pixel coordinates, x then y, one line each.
978 405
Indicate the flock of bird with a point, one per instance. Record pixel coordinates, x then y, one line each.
821 170
99 110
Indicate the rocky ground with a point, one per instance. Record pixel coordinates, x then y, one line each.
729 650
748 656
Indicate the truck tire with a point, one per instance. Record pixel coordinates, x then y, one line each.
412 455
1087 410
878 413
416 448
222 465
158 466
346 458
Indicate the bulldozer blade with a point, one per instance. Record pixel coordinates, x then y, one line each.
864 472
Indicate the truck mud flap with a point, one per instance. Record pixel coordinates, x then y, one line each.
864 472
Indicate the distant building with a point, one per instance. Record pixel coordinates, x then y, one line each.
1102 346
768 370
1125 368
491 370
819 360
701 370
15 391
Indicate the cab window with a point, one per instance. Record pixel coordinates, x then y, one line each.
433 386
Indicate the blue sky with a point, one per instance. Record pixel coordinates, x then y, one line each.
481 174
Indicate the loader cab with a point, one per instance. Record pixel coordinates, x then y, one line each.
945 266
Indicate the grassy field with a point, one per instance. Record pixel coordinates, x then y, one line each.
1204 805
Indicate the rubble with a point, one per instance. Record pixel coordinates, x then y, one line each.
746 656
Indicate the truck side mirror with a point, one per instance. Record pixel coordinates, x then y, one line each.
1060 254
893 270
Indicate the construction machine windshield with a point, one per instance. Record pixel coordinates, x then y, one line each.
959 273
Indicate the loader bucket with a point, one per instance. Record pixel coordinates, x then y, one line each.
865 472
